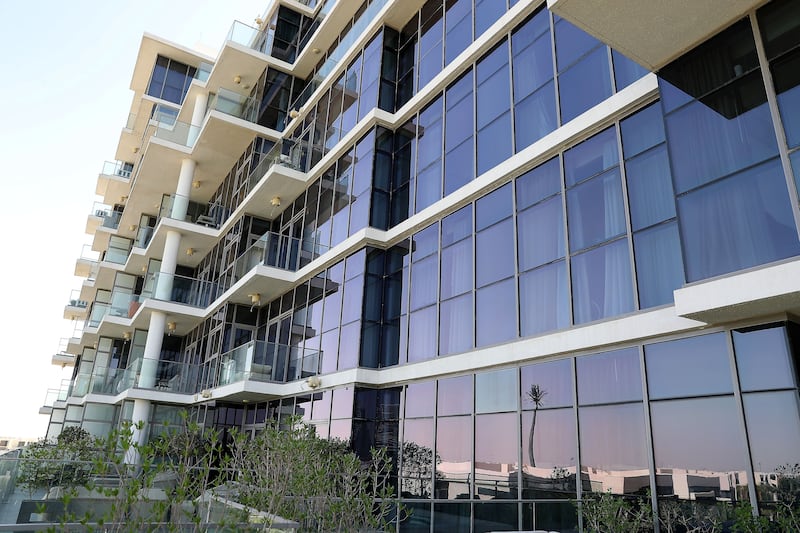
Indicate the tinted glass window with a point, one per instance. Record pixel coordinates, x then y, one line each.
609 377
688 367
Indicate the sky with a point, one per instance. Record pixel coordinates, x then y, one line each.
64 86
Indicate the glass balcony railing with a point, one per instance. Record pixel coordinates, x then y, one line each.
253 38
181 289
120 169
279 251
143 236
336 56
75 301
234 104
267 362
167 376
109 214
179 207
203 71
178 132
80 385
96 315
87 254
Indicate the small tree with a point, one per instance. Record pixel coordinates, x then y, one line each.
63 463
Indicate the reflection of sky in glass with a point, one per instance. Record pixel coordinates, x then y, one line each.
554 378
762 359
773 423
612 437
496 391
554 441
609 377
455 396
689 367
496 440
420 399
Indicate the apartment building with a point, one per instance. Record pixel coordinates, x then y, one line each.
481 234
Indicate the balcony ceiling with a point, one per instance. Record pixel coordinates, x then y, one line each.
652 33
151 47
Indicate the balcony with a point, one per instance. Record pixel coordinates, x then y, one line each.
51 397
114 180
278 251
103 215
148 374
87 262
267 362
75 308
636 28
182 290
233 104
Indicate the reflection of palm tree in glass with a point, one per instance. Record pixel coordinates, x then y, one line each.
535 395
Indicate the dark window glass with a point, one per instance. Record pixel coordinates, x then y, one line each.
456 318
543 299
650 188
456 277
625 70
763 359
642 130
494 251
420 399
496 455
584 84
601 282
717 453
758 224
612 441
422 335
538 184
540 234
535 116
550 516
496 317
688 367
454 448
496 391
495 516
550 439
591 157
554 380
609 377
787 85
416 459
418 518
659 269
451 516
596 211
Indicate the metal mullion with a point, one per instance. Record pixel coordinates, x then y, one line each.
628 225
649 438
777 124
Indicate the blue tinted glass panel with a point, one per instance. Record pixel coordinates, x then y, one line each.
595 211
540 234
486 13
494 143
717 136
458 123
609 377
642 130
496 391
650 188
763 359
496 315
424 277
430 65
459 90
626 71
422 335
693 366
538 184
787 85
429 186
532 68
493 207
456 318
584 84
659 268
457 226
458 28
494 253
758 224
528 33
458 167
494 97
601 282
456 277
425 242
535 116
455 396
429 145
554 378
591 157
492 62
795 159
571 43
543 299
721 451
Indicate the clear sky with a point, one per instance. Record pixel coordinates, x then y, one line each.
64 92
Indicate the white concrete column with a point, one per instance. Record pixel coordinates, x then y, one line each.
198 114
152 350
140 417
169 262
184 189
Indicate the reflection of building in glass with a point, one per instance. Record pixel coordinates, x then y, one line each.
472 233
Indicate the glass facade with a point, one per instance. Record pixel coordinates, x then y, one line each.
503 241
